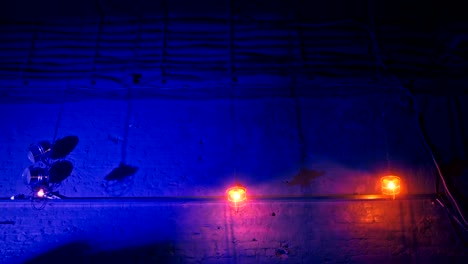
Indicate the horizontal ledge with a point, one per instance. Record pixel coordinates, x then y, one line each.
221 199
342 197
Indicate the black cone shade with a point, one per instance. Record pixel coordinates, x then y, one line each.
59 171
62 147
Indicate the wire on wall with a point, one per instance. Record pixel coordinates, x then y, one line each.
418 117
233 79
59 118
387 152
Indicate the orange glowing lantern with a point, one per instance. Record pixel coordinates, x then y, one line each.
391 185
236 196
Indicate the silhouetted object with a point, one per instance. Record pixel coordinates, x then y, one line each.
305 176
59 171
64 146
121 172
39 151
48 170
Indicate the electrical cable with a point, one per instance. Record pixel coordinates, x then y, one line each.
234 130
387 152
439 172
127 126
420 129
60 114
41 201
35 201
429 149
452 219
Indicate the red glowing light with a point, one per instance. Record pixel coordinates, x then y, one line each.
40 193
391 185
236 196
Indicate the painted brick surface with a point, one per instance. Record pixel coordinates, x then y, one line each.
197 148
261 232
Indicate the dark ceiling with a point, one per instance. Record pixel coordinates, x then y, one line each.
211 48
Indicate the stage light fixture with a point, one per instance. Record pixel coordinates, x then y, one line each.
35 175
391 185
39 151
49 169
237 196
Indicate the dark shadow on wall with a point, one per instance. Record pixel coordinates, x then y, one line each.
82 252
63 146
120 180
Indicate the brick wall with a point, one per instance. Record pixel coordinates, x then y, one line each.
192 148
415 231
196 147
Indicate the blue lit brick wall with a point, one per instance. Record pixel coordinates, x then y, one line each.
333 140
270 232
200 147
193 147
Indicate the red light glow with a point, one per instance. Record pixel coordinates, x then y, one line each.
391 185
236 196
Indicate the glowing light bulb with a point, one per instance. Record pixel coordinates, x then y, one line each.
40 193
236 196
391 185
